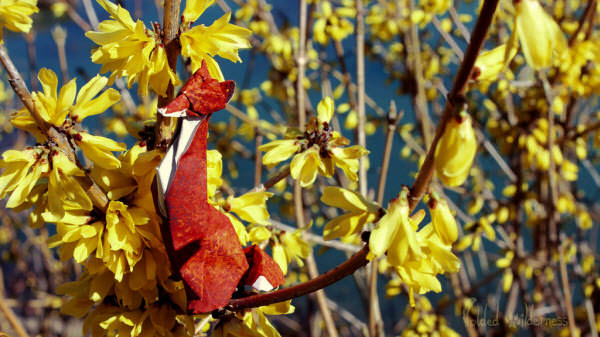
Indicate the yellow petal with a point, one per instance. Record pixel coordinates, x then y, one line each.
455 151
325 109
251 206
348 200
195 8
443 222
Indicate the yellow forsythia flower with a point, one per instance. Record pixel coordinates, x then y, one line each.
491 63
290 247
122 244
252 323
395 234
99 149
443 221
539 34
22 170
360 212
455 151
15 15
129 49
305 166
278 151
251 206
64 192
220 38
54 105
320 149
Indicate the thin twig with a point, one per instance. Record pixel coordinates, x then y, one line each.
317 239
375 321
12 318
565 285
360 83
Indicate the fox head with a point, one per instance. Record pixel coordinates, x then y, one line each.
201 95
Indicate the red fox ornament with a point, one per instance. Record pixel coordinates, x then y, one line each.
204 246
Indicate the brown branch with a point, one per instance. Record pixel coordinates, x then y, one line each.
348 267
163 128
358 260
454 96
95 193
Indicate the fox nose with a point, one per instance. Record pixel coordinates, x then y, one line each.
228 88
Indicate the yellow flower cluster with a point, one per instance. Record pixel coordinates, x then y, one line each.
423 319
15 15
202 43
332 22
318 150
129 49
360 213
416 255
252 323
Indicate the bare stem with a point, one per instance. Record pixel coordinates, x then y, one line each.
164 127
565 284
360 83
375 322
12 318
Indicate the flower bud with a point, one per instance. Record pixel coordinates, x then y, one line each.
443 221
539 34
455 151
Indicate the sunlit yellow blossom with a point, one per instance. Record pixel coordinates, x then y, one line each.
347 158
455 151
325 109
420 274
22 170
443 221
129 49
99 149
318 150
278 151
122 242
491 63
54 105
539 34
333 23
305 166
77 240
291 247
395 234
15 15
360 212
64 192
194 9
252 323
220 38
251 206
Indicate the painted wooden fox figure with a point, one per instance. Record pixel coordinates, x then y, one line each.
203 244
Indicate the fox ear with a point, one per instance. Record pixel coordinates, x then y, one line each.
204 70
